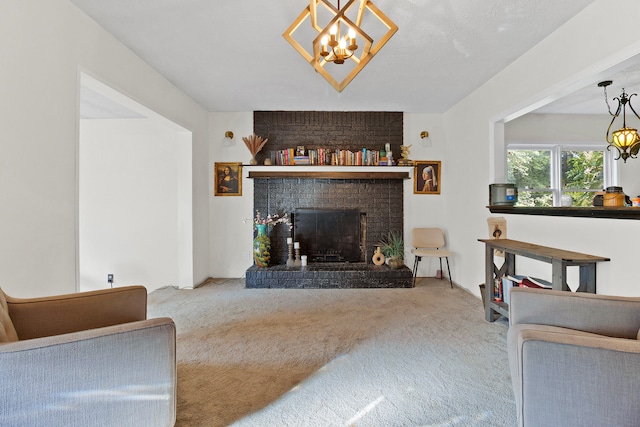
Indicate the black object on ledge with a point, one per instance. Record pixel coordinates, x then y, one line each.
582 212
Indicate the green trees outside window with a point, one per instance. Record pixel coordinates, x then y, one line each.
530 170
582 175
542 175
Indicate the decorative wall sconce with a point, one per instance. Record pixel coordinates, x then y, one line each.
424 134
626 140
336 41
228 134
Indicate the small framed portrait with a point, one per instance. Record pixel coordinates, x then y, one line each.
426 177
227 179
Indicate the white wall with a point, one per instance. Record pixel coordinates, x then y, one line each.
577 54
129 200
43 45
229 237
427 210
558 128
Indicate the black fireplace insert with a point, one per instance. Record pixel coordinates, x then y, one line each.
329 235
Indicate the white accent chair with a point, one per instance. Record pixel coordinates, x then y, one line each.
429 242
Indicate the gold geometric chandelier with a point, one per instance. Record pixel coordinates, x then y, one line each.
626 139
336 41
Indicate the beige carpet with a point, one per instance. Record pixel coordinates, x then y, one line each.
365 357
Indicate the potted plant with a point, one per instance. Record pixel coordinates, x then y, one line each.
392 247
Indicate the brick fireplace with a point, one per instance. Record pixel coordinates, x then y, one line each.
378 196
380 201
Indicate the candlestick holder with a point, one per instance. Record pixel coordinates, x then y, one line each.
290 261
297 262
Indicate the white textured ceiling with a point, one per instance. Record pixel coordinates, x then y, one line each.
230 55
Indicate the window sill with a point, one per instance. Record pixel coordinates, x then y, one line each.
588 212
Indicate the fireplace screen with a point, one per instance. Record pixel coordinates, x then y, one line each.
328 235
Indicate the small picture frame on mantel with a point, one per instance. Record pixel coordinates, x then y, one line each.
227 179
426 177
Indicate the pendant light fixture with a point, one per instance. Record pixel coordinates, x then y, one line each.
337 41
626 139
339 49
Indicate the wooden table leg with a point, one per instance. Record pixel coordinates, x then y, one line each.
587 278
510 261
559 275
488 283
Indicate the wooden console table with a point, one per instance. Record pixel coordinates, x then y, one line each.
558 258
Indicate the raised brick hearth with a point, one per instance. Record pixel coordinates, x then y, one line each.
329 276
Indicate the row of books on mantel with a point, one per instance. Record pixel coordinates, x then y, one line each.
321 156
501 287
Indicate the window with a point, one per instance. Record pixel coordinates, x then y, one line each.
582 174
530 170
543 174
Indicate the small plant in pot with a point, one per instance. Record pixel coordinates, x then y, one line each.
392 247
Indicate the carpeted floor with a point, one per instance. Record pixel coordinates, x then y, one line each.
423 356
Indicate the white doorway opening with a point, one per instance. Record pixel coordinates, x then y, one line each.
134 193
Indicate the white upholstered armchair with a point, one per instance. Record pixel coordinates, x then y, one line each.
574 358
86 359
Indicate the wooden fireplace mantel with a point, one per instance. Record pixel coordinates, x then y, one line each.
330 172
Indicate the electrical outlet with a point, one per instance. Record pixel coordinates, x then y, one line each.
110 279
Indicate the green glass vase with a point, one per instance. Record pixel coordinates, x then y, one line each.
262 247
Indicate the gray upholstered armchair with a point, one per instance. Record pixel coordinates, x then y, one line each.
574 358
86 359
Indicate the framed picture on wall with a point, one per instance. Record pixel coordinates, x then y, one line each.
426 177
227 179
